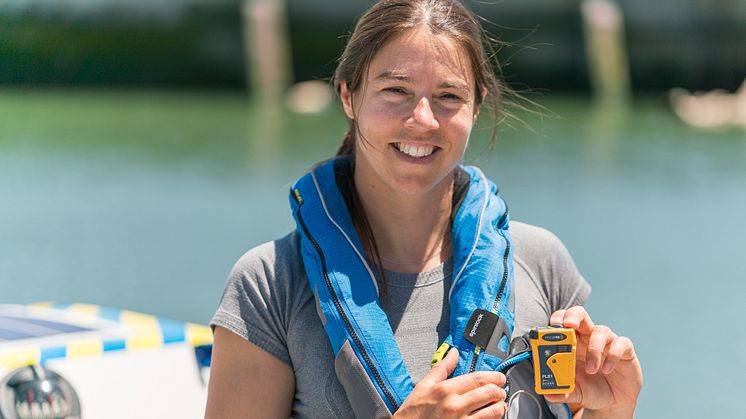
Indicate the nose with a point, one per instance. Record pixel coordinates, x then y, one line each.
422 118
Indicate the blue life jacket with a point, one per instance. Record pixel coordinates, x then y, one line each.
368 362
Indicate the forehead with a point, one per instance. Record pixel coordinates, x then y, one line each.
421 56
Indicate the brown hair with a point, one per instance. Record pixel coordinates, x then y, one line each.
381 23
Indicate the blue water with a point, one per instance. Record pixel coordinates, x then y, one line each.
144 200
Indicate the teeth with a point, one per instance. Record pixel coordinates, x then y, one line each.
415 151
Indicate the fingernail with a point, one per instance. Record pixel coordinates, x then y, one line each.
591 367
607 368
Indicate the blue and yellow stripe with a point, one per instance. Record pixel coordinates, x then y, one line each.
145 332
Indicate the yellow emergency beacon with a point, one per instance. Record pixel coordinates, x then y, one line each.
553 352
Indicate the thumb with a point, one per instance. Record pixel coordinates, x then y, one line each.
443 368
574 397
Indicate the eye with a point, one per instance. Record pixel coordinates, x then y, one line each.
395 90
451 97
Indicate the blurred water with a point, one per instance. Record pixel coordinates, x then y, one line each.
144 200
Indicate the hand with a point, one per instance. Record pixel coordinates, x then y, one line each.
608 376
474 395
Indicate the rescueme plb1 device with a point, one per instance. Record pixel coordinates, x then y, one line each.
553 352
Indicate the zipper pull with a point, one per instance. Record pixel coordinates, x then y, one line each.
440 353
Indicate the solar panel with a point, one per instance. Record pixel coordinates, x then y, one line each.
16 328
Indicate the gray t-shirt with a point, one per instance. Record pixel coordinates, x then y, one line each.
268 302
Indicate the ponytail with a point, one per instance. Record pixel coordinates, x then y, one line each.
347 148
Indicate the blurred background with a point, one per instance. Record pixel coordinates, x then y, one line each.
146 145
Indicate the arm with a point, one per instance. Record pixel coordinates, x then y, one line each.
246 381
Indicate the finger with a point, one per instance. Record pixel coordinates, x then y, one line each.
579 319
467 382
558 317
495 410
600 337
620 348
443 368
574 397
480 397
556 398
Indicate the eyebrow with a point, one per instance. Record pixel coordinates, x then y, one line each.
394 75
455 85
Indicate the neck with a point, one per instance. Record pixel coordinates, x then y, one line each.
412 231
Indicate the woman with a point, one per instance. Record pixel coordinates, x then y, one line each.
397 250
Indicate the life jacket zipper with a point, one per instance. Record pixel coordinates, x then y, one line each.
507 392
500 291
343 315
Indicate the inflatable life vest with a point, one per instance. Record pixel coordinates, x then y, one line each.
368 362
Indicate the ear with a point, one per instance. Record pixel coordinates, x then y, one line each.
346 96
478 107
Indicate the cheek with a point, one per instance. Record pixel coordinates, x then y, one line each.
460 127
387 110
380 117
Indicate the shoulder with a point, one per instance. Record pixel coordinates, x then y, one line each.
540 249
272 274
271 259
263 293
533 241
548 265
268 279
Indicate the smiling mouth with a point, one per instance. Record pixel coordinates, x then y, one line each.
415 150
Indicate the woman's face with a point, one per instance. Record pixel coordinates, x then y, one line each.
414 111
